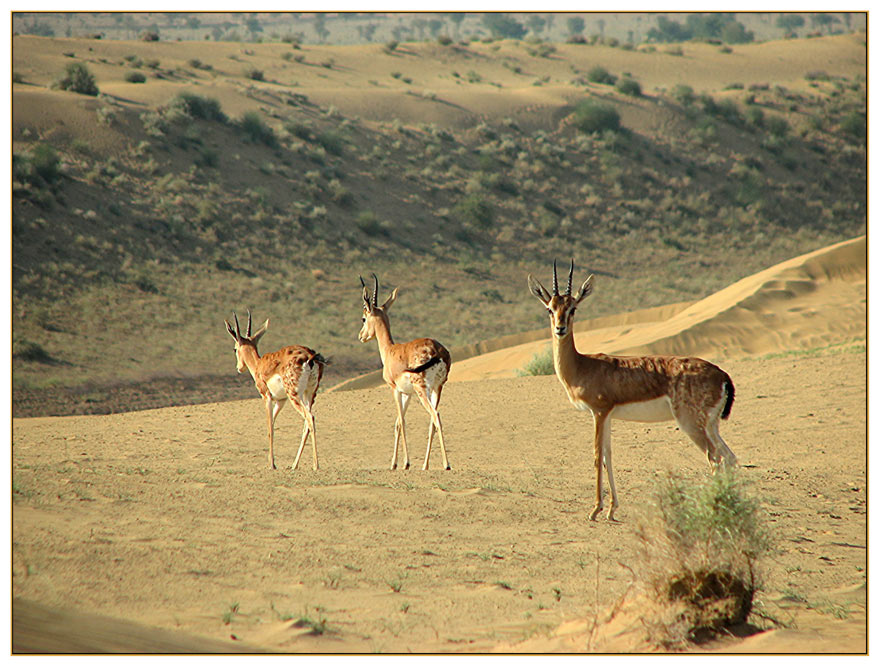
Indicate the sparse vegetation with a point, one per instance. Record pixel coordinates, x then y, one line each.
540 364
501 190
78 79
256 130
599 74
701 548
629 86
595 117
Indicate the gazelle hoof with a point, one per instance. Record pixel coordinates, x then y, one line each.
595 512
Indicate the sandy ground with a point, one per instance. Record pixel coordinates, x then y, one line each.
169 521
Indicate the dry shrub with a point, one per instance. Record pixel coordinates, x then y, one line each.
700 546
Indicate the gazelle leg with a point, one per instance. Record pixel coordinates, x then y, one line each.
302 443
728 458
402 401
314 438
697 429
606 454
600 420
430 406
272 410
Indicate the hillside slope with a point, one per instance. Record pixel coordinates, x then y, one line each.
269 177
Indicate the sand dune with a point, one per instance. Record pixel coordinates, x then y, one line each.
815 300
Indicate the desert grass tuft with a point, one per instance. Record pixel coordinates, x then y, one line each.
540 364
700 545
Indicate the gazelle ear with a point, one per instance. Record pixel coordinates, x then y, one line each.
391 299
538 291
585 290
256 337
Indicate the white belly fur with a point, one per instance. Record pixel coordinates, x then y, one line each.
276 387
656 410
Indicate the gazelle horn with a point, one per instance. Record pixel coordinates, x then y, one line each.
249 323
237 328
570 273
555 282
375 291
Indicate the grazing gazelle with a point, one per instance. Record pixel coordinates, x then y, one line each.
693 392
293 374
419 367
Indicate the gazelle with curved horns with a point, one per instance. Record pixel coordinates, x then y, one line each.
692 391
293 374
418 367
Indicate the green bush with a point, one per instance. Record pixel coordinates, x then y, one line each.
593 117
855 126
79 79
300 129
39 167
197 106
45 162
599 74
254 74
700 545
256 130
684 95
777 126
475 210
332 142
630 87
540 364
135 77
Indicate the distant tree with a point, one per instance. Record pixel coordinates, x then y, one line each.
40 28
823 21
193 22
575 25
706 26
601 24
736 33
502 25
536 23
369 31
79 79
456 18
320 27
790 22
434 26
668 31
253 26
420 25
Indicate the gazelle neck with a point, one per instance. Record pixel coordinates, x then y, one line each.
383 337
565 356
249 355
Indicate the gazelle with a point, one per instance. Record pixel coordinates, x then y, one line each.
293 374
418 367
693 392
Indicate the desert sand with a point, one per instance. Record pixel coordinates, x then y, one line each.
165 527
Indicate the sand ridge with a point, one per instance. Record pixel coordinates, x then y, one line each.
815 300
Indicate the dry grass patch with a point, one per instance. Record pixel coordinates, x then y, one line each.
701 544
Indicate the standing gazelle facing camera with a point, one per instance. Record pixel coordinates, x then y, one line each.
418 367
693 392
293 374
